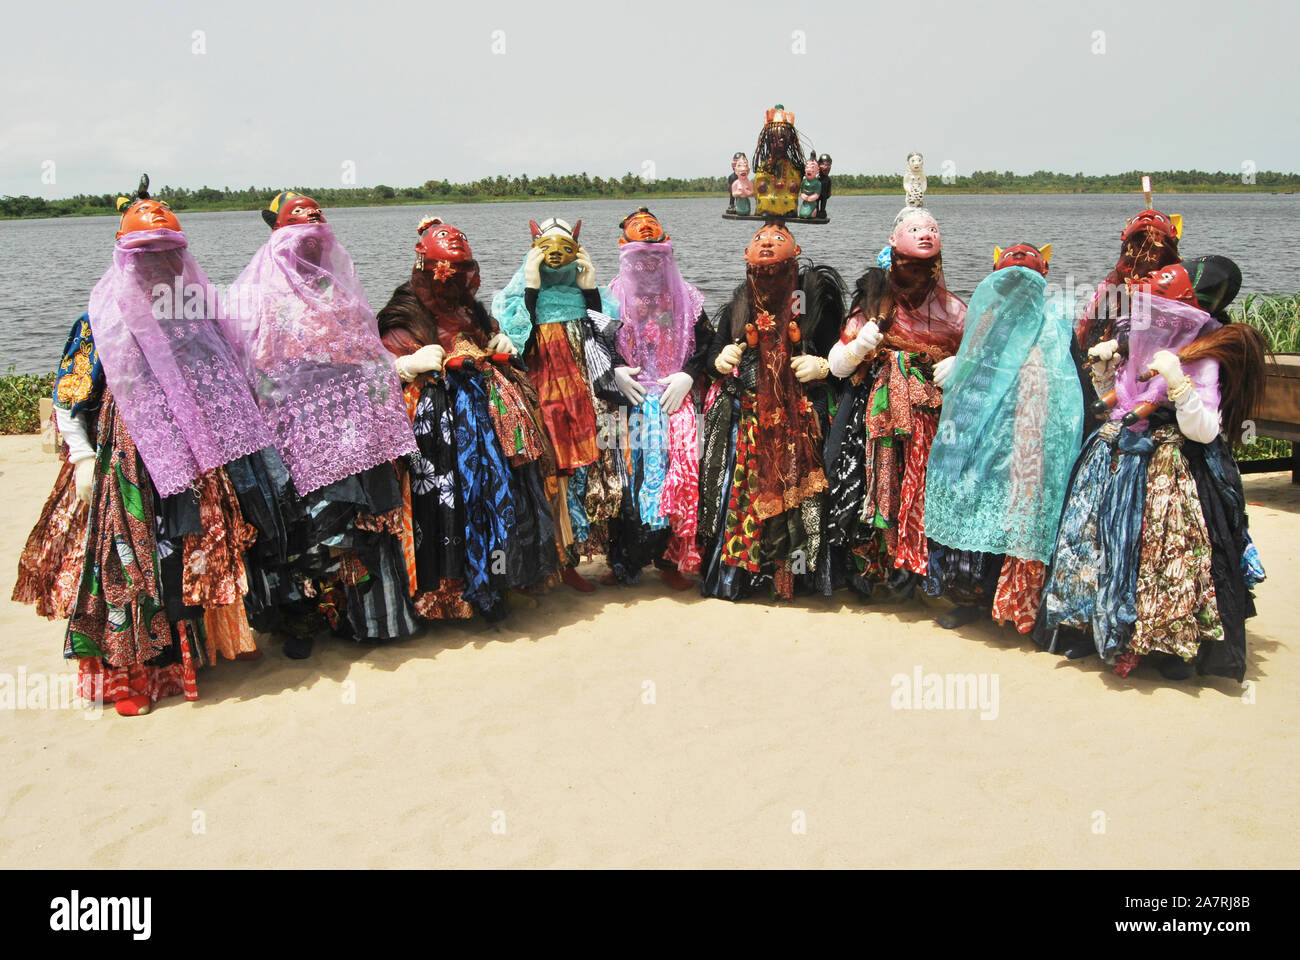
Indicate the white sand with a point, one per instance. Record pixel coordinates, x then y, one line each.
764 718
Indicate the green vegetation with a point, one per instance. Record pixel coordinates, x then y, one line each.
581 186
20 396
1278 318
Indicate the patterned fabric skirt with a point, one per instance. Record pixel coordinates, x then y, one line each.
49 567
743 550
564 395
118 628
1133 558
1020 585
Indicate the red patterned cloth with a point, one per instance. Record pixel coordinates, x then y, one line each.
680 500
49 567
744 530
213 571
101 684
789 438
1020 586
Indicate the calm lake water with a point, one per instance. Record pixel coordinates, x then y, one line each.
50 266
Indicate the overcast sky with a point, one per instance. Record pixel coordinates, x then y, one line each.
289 94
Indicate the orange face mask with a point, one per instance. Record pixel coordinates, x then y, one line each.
772 244
148 215
641 227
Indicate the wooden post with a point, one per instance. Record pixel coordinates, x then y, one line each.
49 436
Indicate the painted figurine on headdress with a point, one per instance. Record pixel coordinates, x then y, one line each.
783 175
762 481
327 390
663 334
810 189
554 314
740 188
141 542
903 331
1153 560
914 180
823 174
1008 432
476 516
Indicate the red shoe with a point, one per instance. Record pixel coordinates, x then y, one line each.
249 655
136 706
675 579
573 578
607 579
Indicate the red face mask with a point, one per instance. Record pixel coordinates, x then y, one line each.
1171 282
148 215
298 209
1022 255
442 241
1149 219
772 244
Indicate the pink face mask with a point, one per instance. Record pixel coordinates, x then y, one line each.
917 236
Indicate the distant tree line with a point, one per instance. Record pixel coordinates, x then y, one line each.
581 186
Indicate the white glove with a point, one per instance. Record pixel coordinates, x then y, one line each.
941 371
586 271
729 358
807 368
500 343
1166 364
533 268
868 339
85 478
425 360
1107 353
73 431
676 387
625 380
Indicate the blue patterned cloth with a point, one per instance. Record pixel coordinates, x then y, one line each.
648 442
79 382
485 491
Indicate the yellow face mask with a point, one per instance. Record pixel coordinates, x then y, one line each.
557 250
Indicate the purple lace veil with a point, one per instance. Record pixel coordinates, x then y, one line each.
326 386
657 309
172 372
1158 323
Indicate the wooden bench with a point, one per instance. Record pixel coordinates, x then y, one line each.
1279 415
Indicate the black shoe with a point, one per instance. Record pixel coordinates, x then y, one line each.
298 647
958 616
1175 668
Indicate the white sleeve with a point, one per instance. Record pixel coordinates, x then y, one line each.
843 359
1196 420
73 431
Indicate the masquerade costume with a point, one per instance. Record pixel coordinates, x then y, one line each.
665 333
1009 429
903 325
476 517
326 389
1148 242
762 482
1153 555
544 311
145 560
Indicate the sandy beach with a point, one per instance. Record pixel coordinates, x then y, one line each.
641 727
